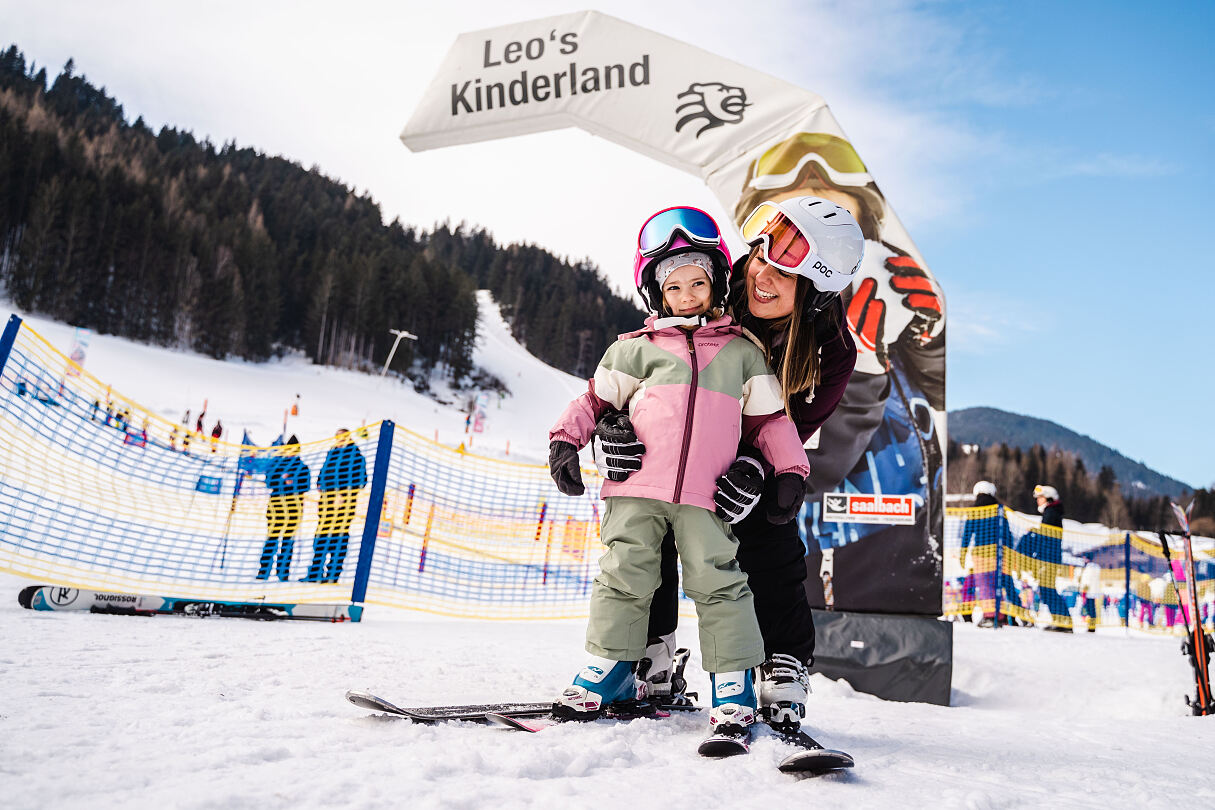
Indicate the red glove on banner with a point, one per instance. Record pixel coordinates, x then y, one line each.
919 296
866 321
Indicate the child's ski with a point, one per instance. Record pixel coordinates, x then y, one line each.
814 759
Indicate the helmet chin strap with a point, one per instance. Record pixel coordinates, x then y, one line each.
675 320
818 302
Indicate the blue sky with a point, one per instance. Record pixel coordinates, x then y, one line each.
1050 159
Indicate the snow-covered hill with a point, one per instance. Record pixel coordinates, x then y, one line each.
254 396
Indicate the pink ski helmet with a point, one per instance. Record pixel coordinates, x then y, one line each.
672 231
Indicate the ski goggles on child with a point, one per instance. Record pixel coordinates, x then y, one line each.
659 231
782 241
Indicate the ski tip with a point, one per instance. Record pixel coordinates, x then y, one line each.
720 746
26 597
816 762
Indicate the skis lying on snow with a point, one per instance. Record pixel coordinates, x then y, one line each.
496 713
54 597
813 759
1197 645
728 739
435 714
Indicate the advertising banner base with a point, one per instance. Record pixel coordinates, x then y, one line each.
904 658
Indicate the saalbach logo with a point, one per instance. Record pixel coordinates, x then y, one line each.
712 103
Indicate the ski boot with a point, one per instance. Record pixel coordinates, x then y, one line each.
662 669
784 685
602 683
733 710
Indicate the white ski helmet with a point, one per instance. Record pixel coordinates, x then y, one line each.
808 236
984 488
1048 492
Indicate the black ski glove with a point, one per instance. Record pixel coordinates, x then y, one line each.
787 499
563 467
615 447
739 489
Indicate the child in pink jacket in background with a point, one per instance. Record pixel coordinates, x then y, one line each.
693 386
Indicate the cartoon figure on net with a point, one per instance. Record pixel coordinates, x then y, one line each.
895 313
790 308
342 475
287 478
693 387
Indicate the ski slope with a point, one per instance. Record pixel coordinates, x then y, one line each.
212 713
254 396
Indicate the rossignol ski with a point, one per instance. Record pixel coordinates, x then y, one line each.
1197 645
55 597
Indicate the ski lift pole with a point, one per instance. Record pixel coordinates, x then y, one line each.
400 333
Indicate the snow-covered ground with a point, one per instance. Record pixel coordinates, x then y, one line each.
107 711
193 713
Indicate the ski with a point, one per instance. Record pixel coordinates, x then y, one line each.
815 759
725 743
517 723
434 714
54 597
1197 645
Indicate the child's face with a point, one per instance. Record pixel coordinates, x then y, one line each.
687 292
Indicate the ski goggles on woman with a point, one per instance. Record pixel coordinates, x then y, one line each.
782 241
659 230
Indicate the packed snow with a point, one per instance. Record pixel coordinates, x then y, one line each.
102 710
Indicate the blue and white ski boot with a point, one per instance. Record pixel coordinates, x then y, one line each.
731 716
600 684
784 684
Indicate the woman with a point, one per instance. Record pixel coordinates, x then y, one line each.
785 293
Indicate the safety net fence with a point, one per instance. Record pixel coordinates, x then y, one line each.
100 493
1003 566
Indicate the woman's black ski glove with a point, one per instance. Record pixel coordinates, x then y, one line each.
563 467
787 499
739 489
615 446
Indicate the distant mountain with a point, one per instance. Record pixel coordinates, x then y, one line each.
988 426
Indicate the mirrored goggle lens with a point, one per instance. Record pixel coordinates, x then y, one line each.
657 232
785 244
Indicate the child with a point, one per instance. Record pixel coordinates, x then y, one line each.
693 386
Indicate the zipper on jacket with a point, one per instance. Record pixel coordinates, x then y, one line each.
687 425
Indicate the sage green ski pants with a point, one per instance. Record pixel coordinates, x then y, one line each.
632 530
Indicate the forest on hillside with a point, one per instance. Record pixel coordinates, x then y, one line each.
1087 496
168 239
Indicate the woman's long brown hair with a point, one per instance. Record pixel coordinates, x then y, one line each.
796 363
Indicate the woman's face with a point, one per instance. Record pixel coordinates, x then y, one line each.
770 291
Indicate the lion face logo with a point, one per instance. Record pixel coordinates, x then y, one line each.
711 103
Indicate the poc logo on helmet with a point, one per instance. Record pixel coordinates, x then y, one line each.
712 103
822 268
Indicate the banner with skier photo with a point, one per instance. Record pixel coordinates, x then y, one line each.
751 137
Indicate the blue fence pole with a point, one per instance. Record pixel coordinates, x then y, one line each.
998 575
375 508
1126 568
8 338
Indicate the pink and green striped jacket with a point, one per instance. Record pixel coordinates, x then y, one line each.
692 396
